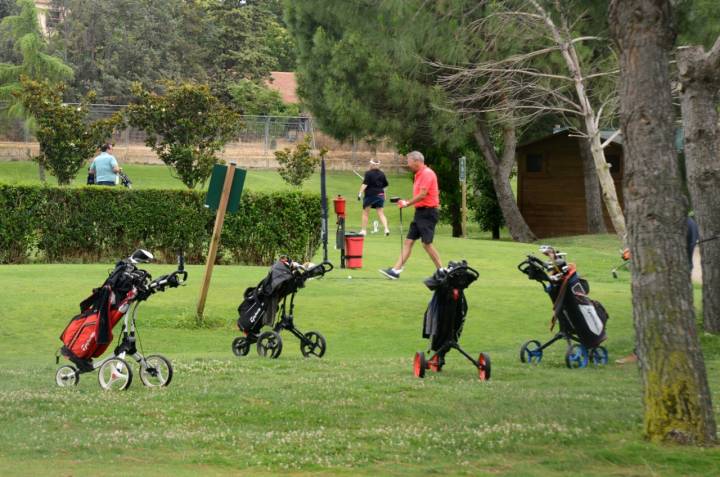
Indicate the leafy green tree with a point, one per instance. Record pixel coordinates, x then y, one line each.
361 74
65 132
484 201
296 166
7 55
112 44
241 45
186 127
34 63
252 97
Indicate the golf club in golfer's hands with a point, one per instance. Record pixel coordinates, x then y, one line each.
401 204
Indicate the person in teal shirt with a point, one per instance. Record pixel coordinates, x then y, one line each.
104 167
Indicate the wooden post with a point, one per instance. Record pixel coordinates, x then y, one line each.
463 210
463 202
215 241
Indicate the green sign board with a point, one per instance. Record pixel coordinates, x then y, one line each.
212 199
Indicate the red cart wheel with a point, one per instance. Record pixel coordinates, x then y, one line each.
434 364
484 367
419 365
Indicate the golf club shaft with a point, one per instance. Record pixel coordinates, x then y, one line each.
358 174
401 233
708 239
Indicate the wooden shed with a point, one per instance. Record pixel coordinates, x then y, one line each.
551 187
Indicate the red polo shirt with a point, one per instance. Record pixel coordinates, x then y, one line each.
425 178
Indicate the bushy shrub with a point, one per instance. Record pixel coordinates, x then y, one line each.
186 127
66 135
105 224
297 165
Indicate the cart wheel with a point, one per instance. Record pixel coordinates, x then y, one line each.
313 344
67 376
269 344
156 372
435 364
419 365
484 367
240 346
599 356
531 352
576 356
115 374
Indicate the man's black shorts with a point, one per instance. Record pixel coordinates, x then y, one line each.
423 225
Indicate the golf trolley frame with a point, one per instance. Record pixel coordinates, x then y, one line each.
114 372
270 343
437 359
577 355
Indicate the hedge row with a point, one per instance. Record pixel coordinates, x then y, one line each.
100 224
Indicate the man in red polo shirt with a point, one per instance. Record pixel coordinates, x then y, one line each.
426 199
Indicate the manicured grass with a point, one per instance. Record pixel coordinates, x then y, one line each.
358 410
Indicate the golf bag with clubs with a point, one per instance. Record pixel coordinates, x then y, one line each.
581 320
445 317
89 333
267 305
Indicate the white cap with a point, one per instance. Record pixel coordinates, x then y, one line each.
374 162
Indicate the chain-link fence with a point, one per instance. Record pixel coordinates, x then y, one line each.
259 136
254 147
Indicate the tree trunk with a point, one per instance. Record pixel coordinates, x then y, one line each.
593 201
700 78
676 397
500 169
572 61
496 232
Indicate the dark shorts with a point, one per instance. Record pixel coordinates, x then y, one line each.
374 201
423 225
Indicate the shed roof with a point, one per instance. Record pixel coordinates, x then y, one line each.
604 136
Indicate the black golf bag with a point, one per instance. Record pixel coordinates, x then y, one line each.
260 303
266 305
579 318
445 316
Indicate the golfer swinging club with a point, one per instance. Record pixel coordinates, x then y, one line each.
426 200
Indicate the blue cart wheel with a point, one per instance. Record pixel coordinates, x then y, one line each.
531 352
599 356
576 356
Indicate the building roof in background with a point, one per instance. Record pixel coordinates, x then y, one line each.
284 83
557 132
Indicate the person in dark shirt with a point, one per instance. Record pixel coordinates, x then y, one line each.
373 186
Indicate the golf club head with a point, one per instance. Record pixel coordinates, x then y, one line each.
394 200
614 274
141 256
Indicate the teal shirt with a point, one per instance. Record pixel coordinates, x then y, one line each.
103 166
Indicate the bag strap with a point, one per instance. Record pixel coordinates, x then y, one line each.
557 306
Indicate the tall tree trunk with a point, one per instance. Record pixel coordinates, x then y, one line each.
593 200
572 61
676 397
700 78
500 169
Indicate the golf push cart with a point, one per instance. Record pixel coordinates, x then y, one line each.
89 334
444 319
580 319
267 305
